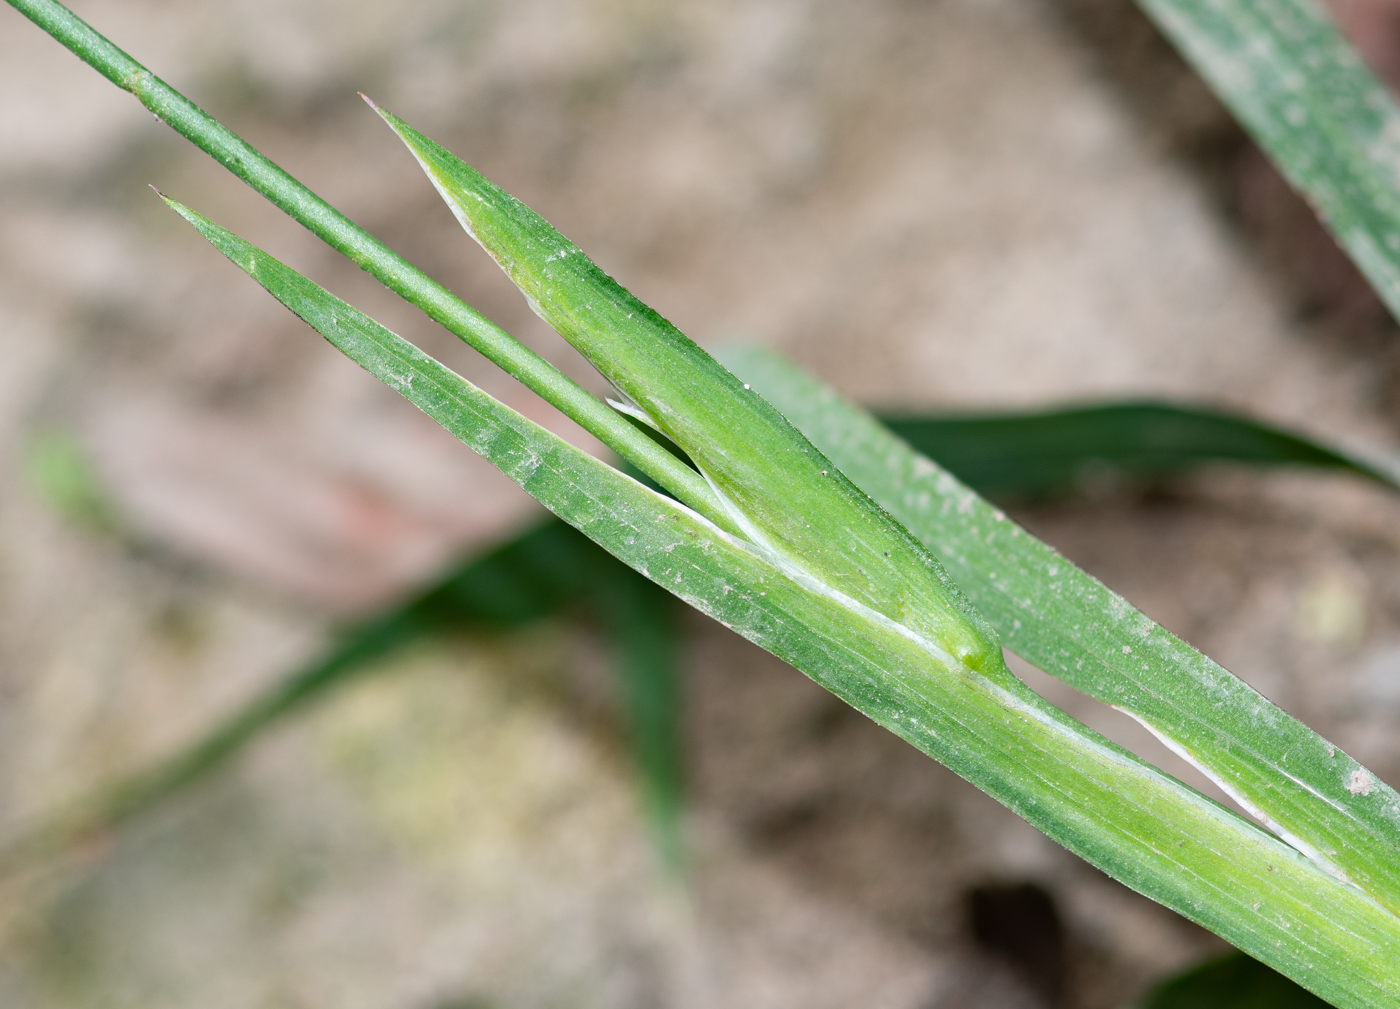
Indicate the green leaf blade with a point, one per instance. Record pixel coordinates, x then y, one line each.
784 495
1138 824
369 253
1306 97
1069 624
1052 451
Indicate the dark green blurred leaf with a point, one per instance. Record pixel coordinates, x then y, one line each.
1057 451
645 630
545 570
535 575
1233 982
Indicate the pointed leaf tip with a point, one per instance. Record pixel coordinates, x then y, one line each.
179 208
198 220
777 487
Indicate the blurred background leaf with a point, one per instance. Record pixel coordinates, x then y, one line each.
536 575
1232 982
60 472
1036 454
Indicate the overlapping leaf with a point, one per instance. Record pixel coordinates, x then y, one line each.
822 577
1143 827
786 498
1070 625
551 567
1325 804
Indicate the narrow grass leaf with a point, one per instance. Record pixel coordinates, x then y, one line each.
1138 824
1048 452
866 613
1306 97
783 494
552 566
1069 624
370 254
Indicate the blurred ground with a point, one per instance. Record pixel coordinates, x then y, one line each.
932 204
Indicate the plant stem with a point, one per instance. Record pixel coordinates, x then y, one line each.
374 257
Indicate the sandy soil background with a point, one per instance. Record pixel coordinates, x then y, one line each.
947 203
